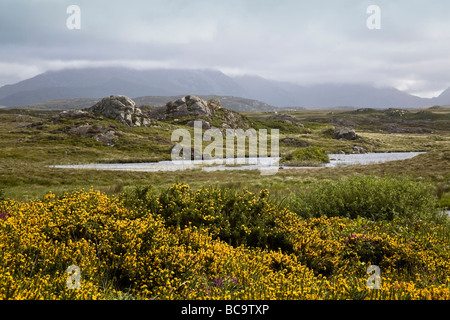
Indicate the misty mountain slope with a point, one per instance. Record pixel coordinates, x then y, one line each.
101 82
272 92
327 95
443 99
360 96
73 78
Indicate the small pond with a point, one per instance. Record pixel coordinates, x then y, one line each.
242 163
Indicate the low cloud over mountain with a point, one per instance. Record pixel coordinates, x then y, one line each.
101 82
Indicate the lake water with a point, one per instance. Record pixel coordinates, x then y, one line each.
242 163
368 158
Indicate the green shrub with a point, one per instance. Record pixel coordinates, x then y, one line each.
370 197
237 217
311 155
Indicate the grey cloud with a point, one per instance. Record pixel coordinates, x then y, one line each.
300 41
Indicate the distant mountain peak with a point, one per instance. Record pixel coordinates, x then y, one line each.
105 81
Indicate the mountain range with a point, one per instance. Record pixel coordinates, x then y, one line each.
106 81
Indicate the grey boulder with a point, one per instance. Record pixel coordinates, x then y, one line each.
121 108
345 134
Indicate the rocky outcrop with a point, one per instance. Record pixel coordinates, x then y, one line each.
358 150
345 134
205 124
122 109
71 114
190 108
183 107
102 133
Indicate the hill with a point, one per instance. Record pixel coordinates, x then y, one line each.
329 95
101 82
229 102
232 103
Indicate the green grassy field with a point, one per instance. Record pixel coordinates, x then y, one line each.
29 142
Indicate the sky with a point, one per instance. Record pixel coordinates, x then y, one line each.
305 42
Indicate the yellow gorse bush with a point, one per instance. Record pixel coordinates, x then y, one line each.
209 244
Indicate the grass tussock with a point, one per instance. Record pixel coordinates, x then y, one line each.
308 156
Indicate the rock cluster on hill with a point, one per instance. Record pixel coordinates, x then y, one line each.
183 107
191 108
121 108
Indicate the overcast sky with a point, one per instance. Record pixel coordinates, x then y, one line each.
305 42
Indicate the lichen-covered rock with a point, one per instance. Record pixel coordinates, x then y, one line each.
121 108
345 134
205 124
211 113
183 107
